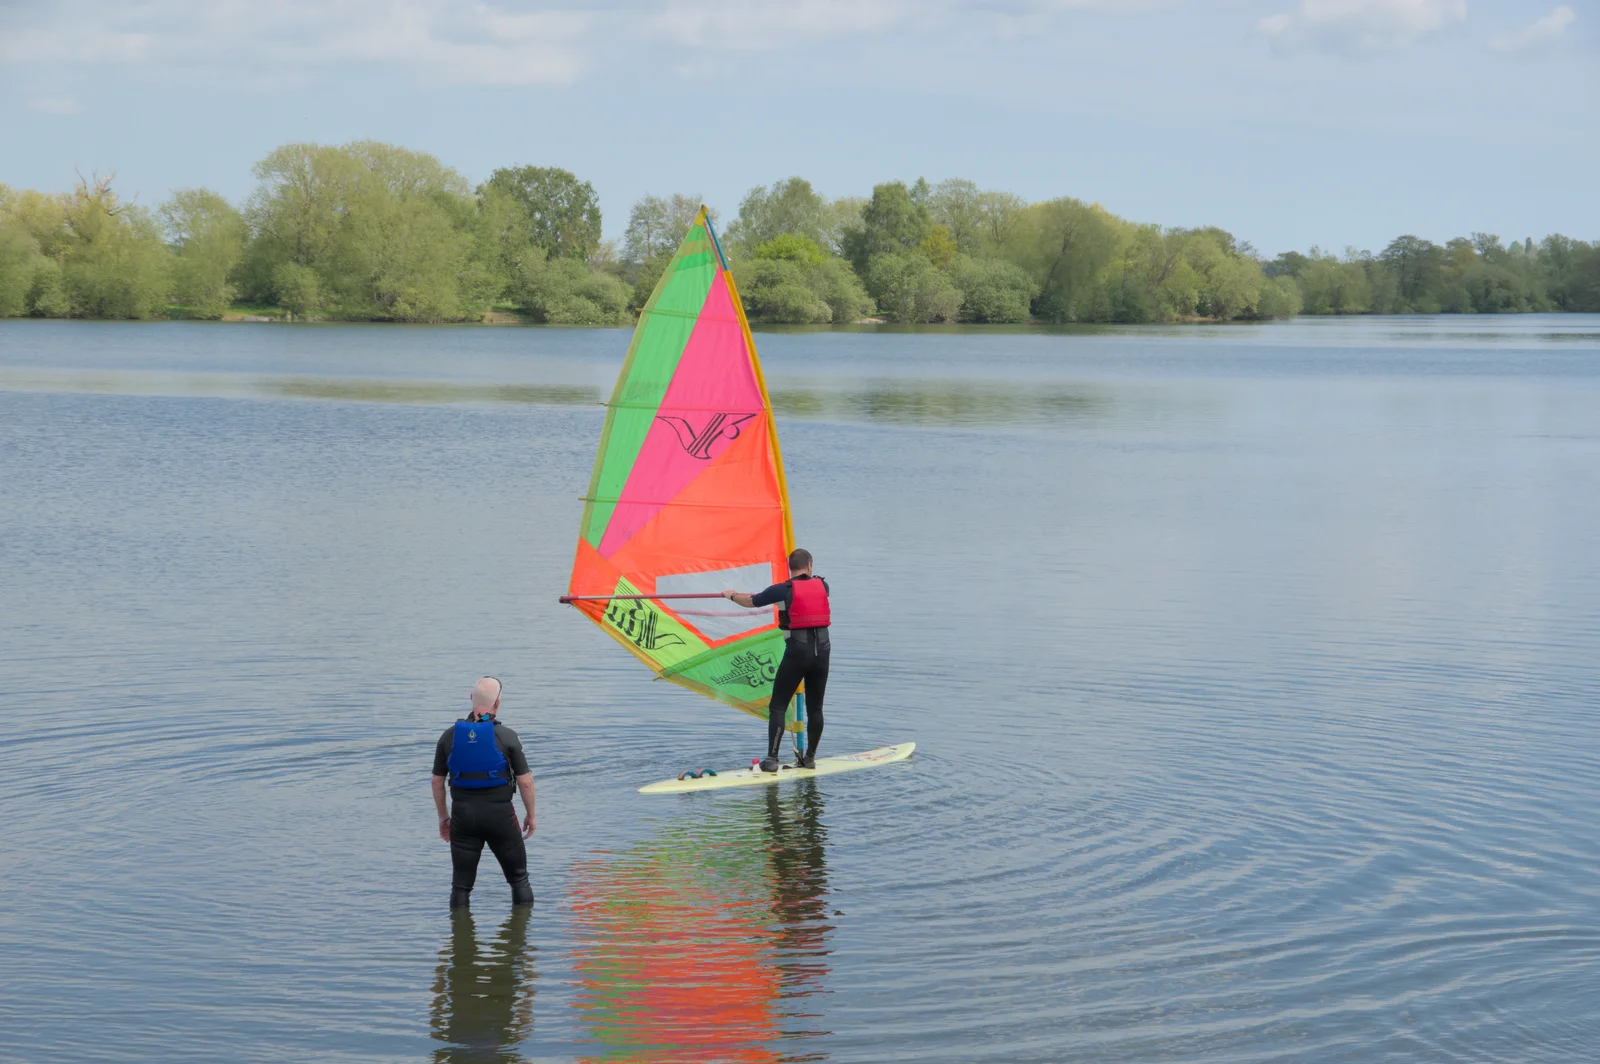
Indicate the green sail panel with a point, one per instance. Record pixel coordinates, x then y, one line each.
658 342
738 674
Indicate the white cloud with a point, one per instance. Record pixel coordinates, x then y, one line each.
496 42
1540 31
55 105
757 25
437 40
1360 26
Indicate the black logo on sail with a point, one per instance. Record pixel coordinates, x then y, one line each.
638 621
698 441
749 668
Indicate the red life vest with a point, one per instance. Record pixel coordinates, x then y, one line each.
809 607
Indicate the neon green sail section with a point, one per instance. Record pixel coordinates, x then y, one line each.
658 342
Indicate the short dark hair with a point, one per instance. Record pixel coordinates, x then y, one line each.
799 558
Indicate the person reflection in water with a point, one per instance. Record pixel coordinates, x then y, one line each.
483 994
799 862
701 943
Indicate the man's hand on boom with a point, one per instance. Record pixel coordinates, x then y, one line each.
739 598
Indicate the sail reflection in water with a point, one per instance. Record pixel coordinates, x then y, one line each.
483 994
703 943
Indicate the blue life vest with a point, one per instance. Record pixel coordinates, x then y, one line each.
475 758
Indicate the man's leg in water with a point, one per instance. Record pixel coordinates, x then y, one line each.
816 687
791 670
466 846
505 839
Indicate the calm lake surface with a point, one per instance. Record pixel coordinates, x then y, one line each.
1253 673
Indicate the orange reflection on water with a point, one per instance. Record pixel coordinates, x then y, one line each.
698 944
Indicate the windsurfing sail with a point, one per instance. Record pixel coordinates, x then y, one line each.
688 496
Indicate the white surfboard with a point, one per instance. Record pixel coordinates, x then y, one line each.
753 777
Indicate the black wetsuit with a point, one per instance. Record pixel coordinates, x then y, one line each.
805 657
485 815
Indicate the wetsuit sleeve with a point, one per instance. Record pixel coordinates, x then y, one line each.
441 753
777 594
511 746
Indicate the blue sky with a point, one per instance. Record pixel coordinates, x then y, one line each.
1288 122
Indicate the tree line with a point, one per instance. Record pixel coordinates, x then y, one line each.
374 232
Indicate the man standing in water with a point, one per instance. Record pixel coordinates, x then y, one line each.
804 616
484 762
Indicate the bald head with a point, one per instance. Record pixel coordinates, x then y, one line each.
486 695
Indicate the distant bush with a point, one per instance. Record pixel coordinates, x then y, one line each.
909 288
568 292
791 279
991 290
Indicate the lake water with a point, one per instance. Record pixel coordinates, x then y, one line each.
1253 673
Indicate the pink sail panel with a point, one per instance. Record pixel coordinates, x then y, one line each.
713 400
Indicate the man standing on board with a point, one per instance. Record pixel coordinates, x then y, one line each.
484 762
803 615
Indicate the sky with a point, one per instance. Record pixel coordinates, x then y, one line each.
1291 123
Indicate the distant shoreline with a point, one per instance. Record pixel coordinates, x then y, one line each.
255 315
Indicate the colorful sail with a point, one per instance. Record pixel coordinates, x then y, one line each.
688 494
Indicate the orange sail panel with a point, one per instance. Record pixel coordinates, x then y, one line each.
688 494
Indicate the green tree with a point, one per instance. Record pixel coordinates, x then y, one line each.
991 290
1329 286
19 260
776 290
42 217
1153 280
1065 245
656 226
565 291
208 237
298 209
114 265
792 247
1571 270
1288 264
391 233
48 297
837 285
1416 264
297 289
19 263
1229 283
979 221
954 205
909 289
563 213
769 211
840 217
939 247
791 279
892 221
1280 298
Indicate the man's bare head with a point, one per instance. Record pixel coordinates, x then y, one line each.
486 696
